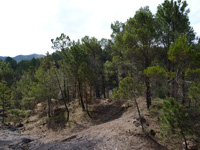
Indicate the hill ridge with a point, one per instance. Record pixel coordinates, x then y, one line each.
21 57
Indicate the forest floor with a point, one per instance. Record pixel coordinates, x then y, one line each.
114 126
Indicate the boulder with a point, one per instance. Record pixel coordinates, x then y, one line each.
125 106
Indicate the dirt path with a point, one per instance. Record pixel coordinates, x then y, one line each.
122 133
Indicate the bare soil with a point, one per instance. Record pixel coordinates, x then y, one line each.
114 126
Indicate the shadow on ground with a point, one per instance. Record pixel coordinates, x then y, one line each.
103 111
107 112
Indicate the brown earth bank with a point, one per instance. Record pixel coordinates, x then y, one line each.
114 126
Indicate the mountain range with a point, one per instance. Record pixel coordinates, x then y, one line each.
18 58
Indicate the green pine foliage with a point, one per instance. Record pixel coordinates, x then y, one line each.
194 95
155 72
128 89
4 99
176 121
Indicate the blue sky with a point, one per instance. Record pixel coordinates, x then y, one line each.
27 26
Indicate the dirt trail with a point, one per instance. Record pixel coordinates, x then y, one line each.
118 134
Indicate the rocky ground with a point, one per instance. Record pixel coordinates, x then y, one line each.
11 138
116 128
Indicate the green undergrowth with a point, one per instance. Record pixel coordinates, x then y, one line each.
17 115
61 117
156 108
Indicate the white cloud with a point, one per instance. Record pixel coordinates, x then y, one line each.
27 26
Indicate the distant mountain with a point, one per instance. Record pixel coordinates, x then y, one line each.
3 58
18 58
27 57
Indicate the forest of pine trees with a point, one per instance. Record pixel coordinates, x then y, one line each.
149 55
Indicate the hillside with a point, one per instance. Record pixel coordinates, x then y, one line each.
115 125
18 58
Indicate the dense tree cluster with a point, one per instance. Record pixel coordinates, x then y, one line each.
155 55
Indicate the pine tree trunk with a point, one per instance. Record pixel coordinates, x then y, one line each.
49 106
3 118
173 83
81 97
147 80
65 91
90 92
183 87
185 140
63 98
173 66
97 91
148 92
104 91
117 78
140 117
168 78
68 97
74 94
86 100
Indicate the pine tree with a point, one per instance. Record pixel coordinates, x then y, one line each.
4 99
175 121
